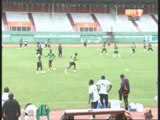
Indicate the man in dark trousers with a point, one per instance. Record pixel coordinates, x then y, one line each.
51 56
104 86
21 43
104 48
11 109
124 90
133 47
72 63
39 64
150 47
59 51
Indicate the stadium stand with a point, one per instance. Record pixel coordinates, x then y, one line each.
55 22
124 25
4 19
30 16
60 21
51 22
155 18
3 29
17 16
43 21
82 17
106 21
147 24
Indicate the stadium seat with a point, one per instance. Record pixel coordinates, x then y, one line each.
43 110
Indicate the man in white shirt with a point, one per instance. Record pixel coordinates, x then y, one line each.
93 95
104 86
5 95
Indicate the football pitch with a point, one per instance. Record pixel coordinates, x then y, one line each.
63 91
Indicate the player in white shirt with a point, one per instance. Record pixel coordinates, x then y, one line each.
93 95
104 86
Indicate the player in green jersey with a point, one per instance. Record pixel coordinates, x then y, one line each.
144 45
150 47
133 47
72 62
104 49
116 52
39 64
51 56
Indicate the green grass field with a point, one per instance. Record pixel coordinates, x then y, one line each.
61 91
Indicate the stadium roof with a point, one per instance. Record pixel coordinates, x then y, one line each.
155 2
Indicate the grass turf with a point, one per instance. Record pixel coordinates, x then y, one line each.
61 91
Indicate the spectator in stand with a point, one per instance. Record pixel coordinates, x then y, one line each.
11 108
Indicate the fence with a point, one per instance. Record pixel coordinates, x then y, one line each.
79 37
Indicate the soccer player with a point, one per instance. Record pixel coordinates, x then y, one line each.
124 90
25 43
39 64
49 43
144 45
39 48
104 48
93 95
85 43
46 43
150 47
72 62
116 51
133 47
59 51
51 57
103 86
21 43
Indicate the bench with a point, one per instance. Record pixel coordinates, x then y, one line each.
69 114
